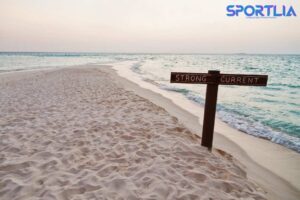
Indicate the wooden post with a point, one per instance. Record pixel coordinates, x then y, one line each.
213 79
210 110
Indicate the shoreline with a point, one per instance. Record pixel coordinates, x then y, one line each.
274 167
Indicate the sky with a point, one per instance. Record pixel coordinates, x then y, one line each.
144 26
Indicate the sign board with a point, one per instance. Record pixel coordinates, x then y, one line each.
221 79
213 79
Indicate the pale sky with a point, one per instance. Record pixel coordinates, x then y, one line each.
143 26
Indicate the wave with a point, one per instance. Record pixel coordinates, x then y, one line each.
283 85
257 129
243 123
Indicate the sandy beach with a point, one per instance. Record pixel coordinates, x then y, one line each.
75 133
274 167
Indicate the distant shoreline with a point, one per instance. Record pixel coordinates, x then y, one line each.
147 53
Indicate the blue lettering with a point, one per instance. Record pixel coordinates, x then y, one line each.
259 10
268 7
241 8
275 12
291 12
252 10
283 11
230 10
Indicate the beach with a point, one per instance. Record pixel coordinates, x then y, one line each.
273 166
150 100
87 133
75 133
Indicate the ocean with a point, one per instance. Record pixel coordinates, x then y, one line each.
271 112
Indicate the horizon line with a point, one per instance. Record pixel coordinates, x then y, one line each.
145 53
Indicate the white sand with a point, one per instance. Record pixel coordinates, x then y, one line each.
75 134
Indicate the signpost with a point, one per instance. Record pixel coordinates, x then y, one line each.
213 79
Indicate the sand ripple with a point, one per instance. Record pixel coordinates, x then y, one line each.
74 134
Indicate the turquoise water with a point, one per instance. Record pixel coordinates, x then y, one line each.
271 112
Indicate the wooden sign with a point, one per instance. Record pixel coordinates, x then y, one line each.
213 79
221 79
